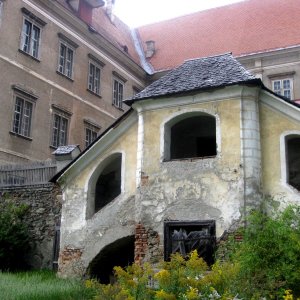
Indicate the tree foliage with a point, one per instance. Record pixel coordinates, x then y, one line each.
13 235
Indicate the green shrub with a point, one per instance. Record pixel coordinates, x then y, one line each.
269 256
13 235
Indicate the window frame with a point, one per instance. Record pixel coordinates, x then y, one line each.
29 48
62 68
93 128
118 96
281 90
26 97
62 115
24 120
92 87
285 136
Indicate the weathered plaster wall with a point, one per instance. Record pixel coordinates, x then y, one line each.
44 202
210 188
83 237
274 125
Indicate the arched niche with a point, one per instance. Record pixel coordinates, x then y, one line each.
105 184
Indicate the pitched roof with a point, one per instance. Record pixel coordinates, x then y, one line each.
246 27
116 32
198 74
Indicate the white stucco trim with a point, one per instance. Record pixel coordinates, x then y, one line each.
280 105
99 147
283 156
222 94
182 112
140 148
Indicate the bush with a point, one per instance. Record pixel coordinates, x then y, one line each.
13 235
269 256
264 265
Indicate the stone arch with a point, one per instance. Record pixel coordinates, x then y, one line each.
105 184
118 253
190 134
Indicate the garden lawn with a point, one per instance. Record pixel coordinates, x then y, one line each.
41 285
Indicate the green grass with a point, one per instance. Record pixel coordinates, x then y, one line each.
41 285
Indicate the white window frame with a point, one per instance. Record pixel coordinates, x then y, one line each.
30 44
94 78
22 118
118 92
61 130
283 158
65 64
281 90
93 130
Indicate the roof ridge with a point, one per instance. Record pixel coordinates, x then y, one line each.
210 56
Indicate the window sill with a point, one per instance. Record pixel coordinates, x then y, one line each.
65 76
119 108
21 136
190 159
29 55
93 93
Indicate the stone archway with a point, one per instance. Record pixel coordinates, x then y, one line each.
118 253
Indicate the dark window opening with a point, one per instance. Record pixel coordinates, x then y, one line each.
120 253
184 237
108 186
194 137
293 161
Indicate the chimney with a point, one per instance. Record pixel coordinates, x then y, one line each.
110 9
85 8
64 155
150 49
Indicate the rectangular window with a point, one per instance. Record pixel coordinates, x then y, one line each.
91 132
118 88
66 58
94 78
59 130
283 87
22 117
30 41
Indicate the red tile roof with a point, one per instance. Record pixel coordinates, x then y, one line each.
116 32
242 28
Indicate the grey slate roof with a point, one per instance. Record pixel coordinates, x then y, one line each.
198 74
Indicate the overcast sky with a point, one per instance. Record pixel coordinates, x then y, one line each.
140 12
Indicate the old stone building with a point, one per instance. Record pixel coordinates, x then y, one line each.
187 156
183 166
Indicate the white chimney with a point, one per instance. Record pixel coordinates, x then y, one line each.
110 9
150 49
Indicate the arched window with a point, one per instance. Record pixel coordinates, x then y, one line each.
108 185
104 184
292 144
190 135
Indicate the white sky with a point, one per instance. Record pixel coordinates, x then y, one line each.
140 12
